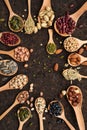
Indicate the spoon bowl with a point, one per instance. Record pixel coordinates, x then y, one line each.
60 113
12 85
72 44
51 46
75 17
9 38
76 59
21 123
29 23
77 107
12 14
20 99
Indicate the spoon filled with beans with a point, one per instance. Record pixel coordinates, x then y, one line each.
9 39
75 98
65 25
40 105
76 59
8 67
17 82
46 14
72 44
15 22
20 54
51 46
20 99
56 109
24 114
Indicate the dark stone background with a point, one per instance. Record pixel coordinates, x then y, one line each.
51 83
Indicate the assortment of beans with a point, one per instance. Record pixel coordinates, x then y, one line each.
8 67
74 95
18 82
71 44
55 108
40 105
9 39
65 24
21 54
23 96
46 17
74 59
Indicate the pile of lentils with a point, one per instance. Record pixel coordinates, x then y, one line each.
55 108
8 67
18 82
21 54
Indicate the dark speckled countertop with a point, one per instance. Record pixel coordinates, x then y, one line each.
45 80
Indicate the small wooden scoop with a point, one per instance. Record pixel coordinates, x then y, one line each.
29 23
11 54
50 31
10 74
20 99
78 110
78 41
75 16
17 43
21 123
13 14
7 86
82 59
40 104
62 116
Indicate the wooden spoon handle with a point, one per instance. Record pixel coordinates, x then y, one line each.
29 8
68 124
8 6
50 31
46 3
3 52
4 87
20 126
41 122
79 12
80 119
82 76
8 110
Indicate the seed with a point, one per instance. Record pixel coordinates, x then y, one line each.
56 67
81 51
26 65
58 51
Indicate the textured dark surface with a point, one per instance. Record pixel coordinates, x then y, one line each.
46 80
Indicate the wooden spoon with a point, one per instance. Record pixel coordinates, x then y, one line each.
76 75
62 116
21 123
29 23
20 99
10 74
78 110
75 16
78 41
82 59
40 104
7 86
50 31
11 54
17 43
11 15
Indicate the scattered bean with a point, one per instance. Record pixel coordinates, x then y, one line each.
58 51
56 67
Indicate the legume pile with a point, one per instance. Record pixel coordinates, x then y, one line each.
74 96
18 81
55 108
21 54
71 44
8 67
9 38
22 96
